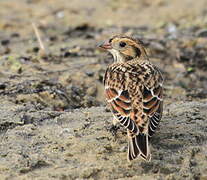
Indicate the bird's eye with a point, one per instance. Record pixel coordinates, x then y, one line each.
122 44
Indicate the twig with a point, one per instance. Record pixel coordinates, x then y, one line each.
42 47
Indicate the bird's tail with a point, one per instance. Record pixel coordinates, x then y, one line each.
138 146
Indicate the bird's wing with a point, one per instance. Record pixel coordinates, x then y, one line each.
153 103
118 97
146 113
120 103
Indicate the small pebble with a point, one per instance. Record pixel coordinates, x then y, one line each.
5 42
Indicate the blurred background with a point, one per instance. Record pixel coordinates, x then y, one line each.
43 90
72 68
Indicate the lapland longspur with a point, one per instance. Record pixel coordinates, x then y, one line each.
133 88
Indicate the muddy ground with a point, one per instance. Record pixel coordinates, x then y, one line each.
54 121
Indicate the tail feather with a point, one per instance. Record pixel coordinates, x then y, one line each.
133 149
142 141
138 146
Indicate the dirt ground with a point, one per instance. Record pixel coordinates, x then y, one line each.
54 121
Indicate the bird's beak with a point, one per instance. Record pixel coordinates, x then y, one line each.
105 45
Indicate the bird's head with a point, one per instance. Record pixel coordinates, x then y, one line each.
124 48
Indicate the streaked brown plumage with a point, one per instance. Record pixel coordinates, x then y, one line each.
133 88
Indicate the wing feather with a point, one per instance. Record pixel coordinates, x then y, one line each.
121 107
152 106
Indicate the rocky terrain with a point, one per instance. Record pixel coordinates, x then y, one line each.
54 122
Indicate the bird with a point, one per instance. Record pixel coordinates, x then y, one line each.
134 92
